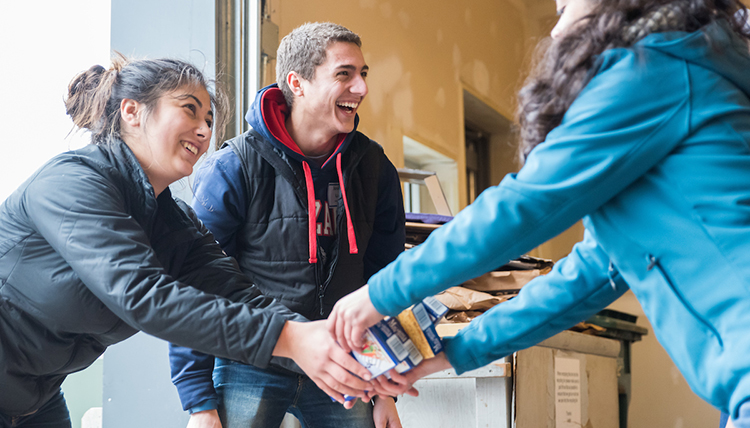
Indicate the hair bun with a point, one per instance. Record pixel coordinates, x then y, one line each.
86 80
82 89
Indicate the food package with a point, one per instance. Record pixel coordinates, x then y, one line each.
421 330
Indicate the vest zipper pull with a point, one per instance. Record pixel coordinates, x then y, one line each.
320 289
320 295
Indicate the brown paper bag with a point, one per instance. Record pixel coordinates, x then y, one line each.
464 299
509 280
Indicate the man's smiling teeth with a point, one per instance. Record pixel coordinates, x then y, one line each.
192 148
348 105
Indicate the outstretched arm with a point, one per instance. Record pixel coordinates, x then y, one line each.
212 307
579 286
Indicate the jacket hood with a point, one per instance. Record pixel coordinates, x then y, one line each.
716 47
267 115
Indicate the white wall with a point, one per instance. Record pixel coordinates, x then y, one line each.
44 44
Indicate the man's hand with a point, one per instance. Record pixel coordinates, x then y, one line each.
384 413
351 316
402 383
204 419
313 349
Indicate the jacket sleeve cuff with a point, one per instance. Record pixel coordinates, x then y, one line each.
195 392
211 404
378 301
264 354
287 364
460 356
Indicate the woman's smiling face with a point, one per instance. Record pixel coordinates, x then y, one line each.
174 136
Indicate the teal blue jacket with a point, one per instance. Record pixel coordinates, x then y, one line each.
654 155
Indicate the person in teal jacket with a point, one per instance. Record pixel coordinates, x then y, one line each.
637 119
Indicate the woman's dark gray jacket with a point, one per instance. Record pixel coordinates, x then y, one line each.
88 257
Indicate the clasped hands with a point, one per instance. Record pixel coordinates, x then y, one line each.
335 371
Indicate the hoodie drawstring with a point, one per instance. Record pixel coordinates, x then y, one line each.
349 226
312 220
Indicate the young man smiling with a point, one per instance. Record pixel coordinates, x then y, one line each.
310 208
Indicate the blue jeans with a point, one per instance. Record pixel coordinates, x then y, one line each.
53 414
250 397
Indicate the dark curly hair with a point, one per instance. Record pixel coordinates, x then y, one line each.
563 65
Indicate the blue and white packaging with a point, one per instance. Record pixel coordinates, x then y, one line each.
402 346
435 308
387 346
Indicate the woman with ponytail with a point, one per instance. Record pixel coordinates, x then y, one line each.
93 248
636 119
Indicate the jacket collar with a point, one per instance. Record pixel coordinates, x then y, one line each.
124 161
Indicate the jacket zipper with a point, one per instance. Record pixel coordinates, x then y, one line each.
340 221
320 289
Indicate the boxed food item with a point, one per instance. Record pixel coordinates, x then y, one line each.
435 309
375 356
401 345
387 346
419 326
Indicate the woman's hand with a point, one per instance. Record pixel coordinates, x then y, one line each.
384 413
331 368
204 419
351 316
402 383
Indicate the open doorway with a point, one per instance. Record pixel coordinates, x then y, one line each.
490 152
477 162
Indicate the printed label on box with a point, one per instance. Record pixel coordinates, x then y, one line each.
435 308
411 355
567 392
373 356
